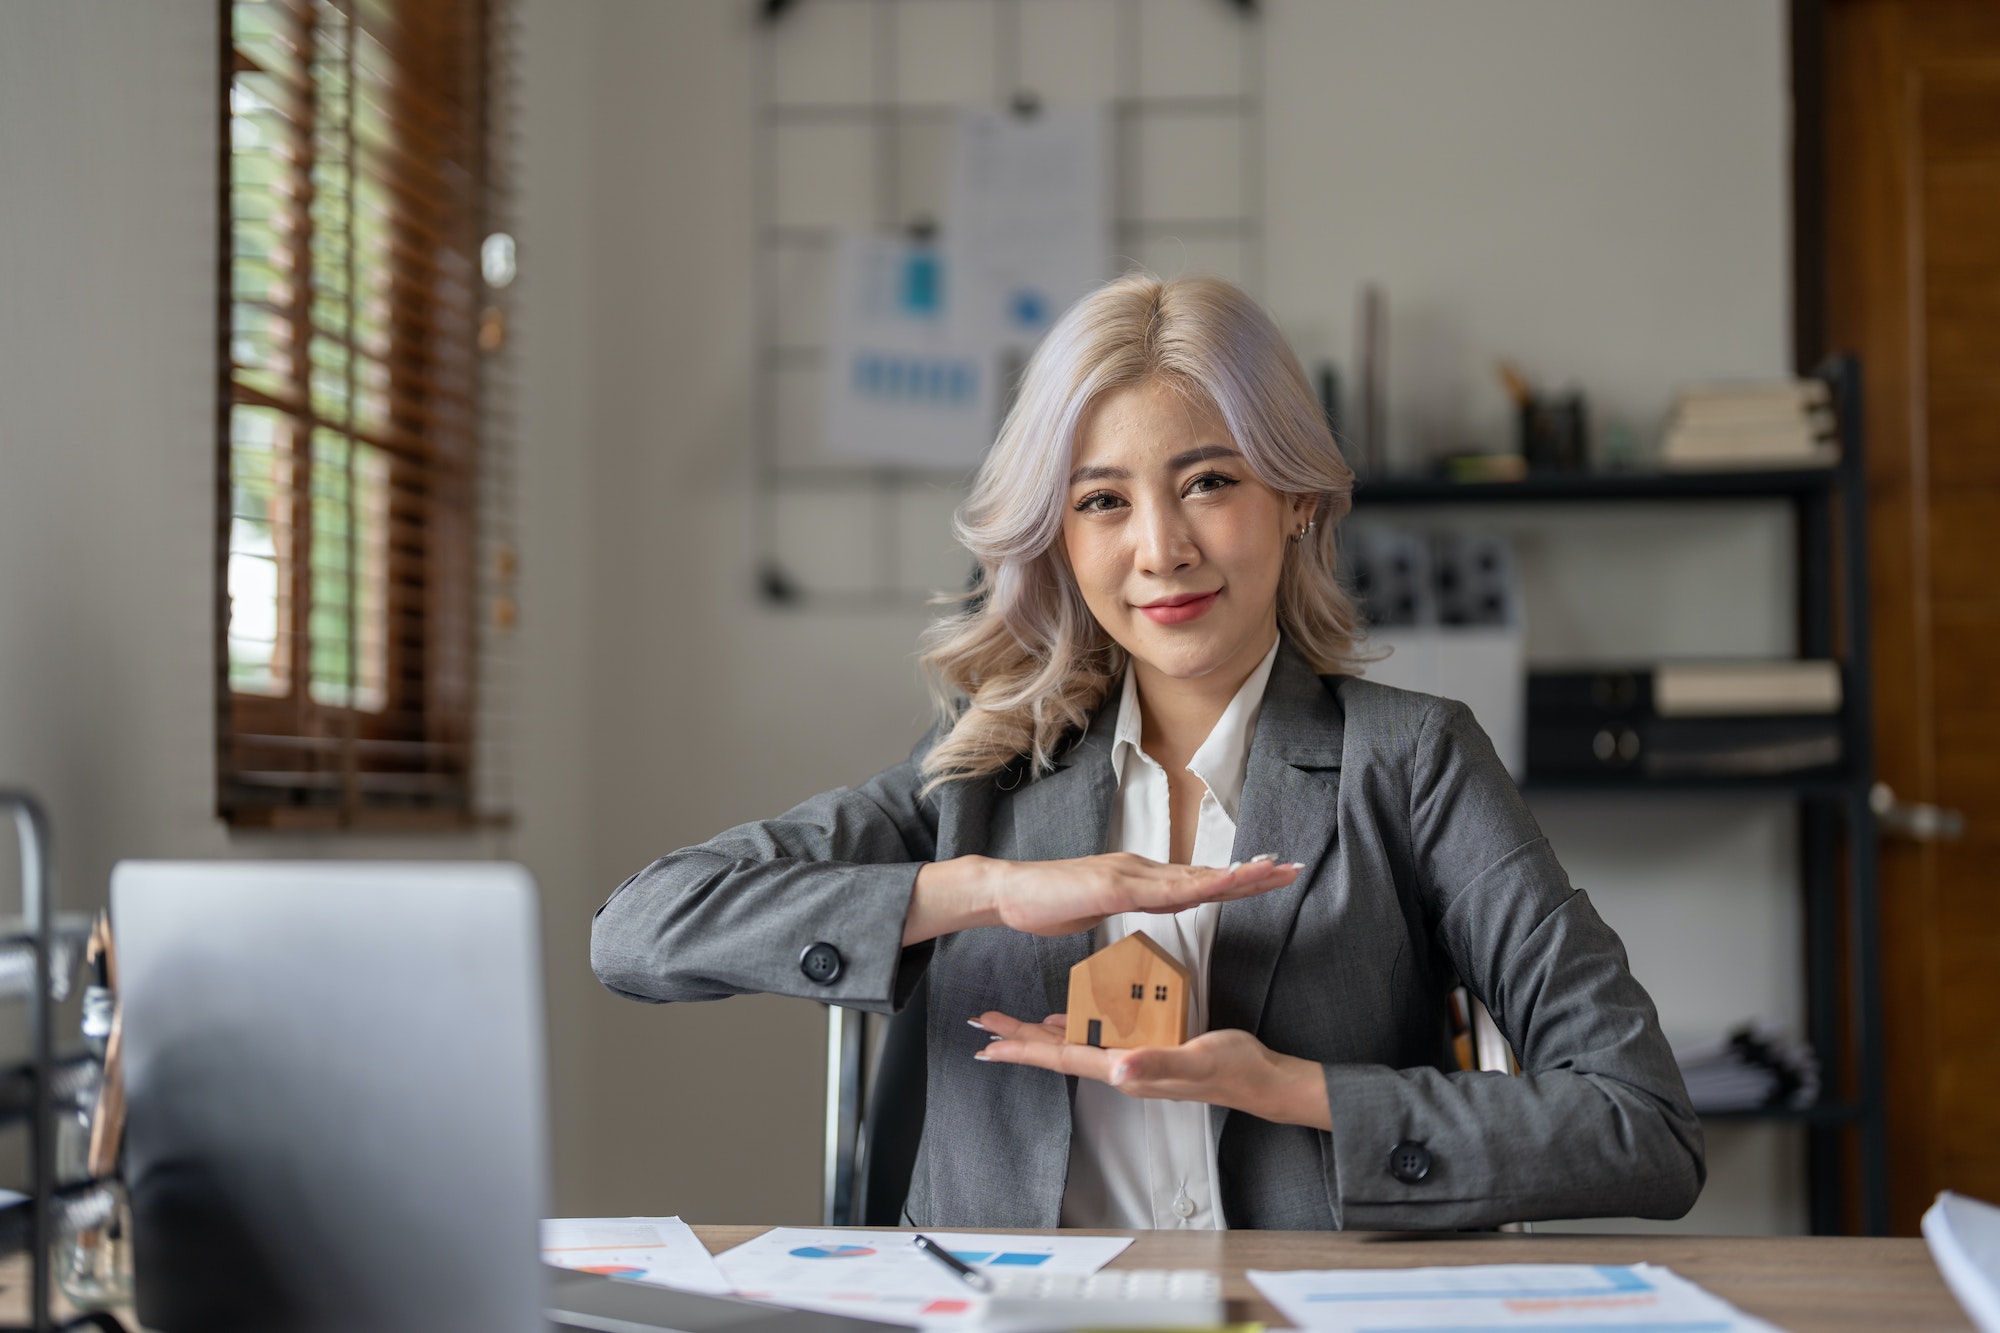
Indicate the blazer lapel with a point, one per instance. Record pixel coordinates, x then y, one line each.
1061 815
1289 810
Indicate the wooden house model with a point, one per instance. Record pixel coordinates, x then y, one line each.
1132 993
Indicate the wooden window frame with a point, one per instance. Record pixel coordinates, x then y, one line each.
296 758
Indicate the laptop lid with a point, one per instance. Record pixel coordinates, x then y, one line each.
335 1090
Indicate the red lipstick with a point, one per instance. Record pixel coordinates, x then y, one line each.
1180 609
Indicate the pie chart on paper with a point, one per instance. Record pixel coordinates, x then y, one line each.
833 1252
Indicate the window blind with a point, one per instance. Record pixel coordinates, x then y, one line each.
365 568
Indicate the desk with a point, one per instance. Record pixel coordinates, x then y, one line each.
1806 1285
1824 1284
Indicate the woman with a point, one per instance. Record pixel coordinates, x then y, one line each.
1150 723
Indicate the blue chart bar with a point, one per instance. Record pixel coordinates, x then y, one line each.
936 381
999 1259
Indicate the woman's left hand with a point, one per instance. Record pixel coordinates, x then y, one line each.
1226 1068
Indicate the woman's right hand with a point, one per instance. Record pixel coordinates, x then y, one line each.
1063 897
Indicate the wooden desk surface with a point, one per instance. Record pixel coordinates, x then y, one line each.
1802 1284
1822 1284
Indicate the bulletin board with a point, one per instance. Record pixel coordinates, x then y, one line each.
856 103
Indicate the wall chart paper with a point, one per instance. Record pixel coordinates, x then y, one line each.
902 386
1028 220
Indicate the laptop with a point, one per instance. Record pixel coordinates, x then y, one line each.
335 1107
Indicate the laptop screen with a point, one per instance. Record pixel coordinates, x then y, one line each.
334 1075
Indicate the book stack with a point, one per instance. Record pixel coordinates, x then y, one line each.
1755 1067
1784 424
1681 720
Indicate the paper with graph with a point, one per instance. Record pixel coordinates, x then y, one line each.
1495 1298
880 1275
659 1250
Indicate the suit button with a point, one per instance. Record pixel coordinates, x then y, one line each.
1409 1161
820 962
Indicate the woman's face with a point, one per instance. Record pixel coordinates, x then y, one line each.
1175 543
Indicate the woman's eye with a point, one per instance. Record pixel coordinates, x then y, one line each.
1097 502
1210 482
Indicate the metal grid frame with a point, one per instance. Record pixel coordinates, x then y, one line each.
887 488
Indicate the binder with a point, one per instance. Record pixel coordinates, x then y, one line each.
1686 720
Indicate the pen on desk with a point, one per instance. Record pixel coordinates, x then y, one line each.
967 1274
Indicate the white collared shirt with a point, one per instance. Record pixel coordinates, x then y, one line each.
1136 1162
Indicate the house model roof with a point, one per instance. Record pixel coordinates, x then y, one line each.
1132 993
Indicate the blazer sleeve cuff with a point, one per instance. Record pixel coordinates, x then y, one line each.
863 939
814 932
1376 1131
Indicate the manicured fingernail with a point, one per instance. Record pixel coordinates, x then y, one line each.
1295 865
1235 865
1263 856
980 1055
981 1026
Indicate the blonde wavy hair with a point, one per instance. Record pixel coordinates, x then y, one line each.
1022 662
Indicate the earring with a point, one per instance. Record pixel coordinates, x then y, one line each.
1303 530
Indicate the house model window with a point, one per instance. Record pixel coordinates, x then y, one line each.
1132 993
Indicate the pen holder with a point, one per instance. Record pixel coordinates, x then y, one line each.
1553 432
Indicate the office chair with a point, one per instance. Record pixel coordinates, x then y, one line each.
895 1116
874 1113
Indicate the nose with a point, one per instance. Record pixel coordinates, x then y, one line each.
1165 543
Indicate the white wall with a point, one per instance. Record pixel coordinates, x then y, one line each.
706 709
107 438
1594 187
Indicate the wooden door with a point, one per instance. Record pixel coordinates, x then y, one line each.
1911 118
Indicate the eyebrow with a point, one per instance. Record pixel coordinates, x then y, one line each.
1188 459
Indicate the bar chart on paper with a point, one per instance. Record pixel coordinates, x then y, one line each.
1501 1298
880 1275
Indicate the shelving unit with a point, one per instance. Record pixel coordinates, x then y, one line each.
28 1087
28 1081
1843 1021
1543 486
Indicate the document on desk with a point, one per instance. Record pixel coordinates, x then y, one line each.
1964 1236
1501 1298
659 1250
881 1275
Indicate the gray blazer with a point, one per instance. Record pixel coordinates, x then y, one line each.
1423 864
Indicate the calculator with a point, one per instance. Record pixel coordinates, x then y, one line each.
1114 1298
